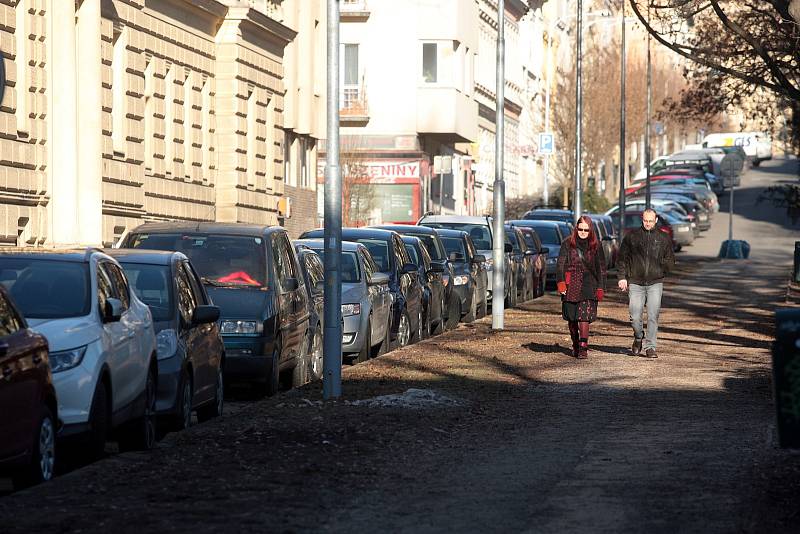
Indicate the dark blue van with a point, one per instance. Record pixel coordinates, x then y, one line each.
251 273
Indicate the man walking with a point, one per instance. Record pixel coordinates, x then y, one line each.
645 258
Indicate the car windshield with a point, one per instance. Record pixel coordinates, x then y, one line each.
153 285
548 234
432 246
220 260
348 269
47 289
454 244
413 253
379 250
481 237
529 240
511 238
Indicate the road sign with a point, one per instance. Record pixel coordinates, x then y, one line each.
546 146
442 164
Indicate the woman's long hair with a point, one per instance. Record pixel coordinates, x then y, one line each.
572 240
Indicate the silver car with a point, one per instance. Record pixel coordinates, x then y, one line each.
366 301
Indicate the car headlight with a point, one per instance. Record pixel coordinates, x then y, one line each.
66 359
166 343
351 309
460 280
241 327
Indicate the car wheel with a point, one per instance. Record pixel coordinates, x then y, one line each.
472 313
427 327
454 312
140 434
300 371
43 458
366 345
214 408
440 325
384 346
273 380
183 419
315 365
98 423
403 330
420 328
484 309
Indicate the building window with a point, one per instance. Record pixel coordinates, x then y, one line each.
429 63
206 130
149 112
188 125
270 152
252 138
169 119
23 82
349 75
119 98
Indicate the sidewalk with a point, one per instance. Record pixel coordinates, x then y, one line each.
519 437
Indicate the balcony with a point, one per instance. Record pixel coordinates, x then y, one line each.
353 11
447 113
354 107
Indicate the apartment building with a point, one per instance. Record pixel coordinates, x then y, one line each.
122 111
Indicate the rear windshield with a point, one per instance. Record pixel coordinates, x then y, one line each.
47 289
153 285
220 260
348 269
454 244
548 234
432 246
379 250
481 237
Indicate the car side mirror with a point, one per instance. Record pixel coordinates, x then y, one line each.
509 248
436 268
544 250
530 252
478 258
205 314
456 257
409 268
112 311
319 287
291 284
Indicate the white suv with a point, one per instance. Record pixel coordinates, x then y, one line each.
102 345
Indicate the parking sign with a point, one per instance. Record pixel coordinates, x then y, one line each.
546 143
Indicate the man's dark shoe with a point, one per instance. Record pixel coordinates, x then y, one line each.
637 347
649 353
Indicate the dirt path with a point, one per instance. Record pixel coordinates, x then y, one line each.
539 442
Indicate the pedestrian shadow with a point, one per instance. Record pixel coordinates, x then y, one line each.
552 348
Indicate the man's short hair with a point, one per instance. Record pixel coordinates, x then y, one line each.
649 210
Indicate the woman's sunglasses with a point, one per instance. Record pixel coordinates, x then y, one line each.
583 230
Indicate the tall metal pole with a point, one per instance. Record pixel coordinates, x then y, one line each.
546 191
332 346
623 164
578 114
649 113
498 248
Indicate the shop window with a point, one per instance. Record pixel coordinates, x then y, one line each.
429 63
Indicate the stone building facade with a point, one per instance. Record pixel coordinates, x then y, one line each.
120 111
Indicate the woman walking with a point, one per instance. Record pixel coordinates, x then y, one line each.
581 280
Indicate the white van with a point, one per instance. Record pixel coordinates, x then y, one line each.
757 146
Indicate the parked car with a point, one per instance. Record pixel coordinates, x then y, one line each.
551 233
539 253
608 236
28 406
366 302
102 344
391 258
548 214
189 348
633 220
479 229
660 205
314 276
250 272
470 281
440 284
524 261
429 274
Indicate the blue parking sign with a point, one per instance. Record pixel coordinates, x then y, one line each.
546 143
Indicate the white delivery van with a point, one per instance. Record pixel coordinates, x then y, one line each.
757 146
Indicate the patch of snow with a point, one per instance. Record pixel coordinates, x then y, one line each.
412 398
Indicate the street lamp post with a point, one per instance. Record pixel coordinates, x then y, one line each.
578 112
649 113
332 345
622 161
498 250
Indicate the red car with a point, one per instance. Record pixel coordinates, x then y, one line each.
28 407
